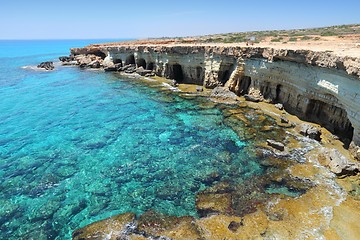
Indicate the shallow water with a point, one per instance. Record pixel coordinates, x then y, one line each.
77 146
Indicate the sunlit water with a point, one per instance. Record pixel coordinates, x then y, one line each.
78 146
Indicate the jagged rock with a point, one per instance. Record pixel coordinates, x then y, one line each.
174 83
284 120
355 150
150 74
223 92
277 145
339 164
310 131
141 71
199 89
94 64
110 228
279 106
251 98
66 58
46 65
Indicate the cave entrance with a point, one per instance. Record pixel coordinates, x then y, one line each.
150 66
333 118
117 61
130 59
225 71
177 73
141 63
245 83
278 92
100 54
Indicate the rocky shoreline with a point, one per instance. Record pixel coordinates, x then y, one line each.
251 77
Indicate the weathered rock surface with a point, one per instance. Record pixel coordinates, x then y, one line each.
111 228
339 164
46 65
277 145
222 92
310 131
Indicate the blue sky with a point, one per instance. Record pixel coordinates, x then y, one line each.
80 19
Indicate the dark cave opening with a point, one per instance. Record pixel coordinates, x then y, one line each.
150 66
141 63
333 118
130 59
177 73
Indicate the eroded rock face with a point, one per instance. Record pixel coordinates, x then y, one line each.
316 86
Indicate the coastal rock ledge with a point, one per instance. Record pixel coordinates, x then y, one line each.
316 86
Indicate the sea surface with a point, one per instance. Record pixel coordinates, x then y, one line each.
78 146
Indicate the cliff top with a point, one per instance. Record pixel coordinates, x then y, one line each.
340 40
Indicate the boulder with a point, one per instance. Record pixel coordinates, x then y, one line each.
339 164
94 64
223 92
355 150
310 131
199 89
251 98
174 83
279 106
66 58
46 65
284 119
277 145
141 71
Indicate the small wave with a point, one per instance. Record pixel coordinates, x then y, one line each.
168 86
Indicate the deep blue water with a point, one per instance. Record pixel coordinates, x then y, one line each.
77 146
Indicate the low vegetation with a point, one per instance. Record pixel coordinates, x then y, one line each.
280 35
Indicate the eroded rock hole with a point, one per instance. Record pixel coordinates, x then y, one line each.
100 54
130 59
177 73
150 66
199 73
117 61
244 84
141 63
333 118
278 92
225 72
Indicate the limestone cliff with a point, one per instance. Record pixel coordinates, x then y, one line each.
316 86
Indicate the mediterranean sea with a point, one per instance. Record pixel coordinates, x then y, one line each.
77 146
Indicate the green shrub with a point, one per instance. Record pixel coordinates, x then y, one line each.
306 38
276 39
328 33
292 39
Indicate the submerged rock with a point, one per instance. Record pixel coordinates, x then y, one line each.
46 65
110 228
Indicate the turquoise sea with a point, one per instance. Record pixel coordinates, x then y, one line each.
77 145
